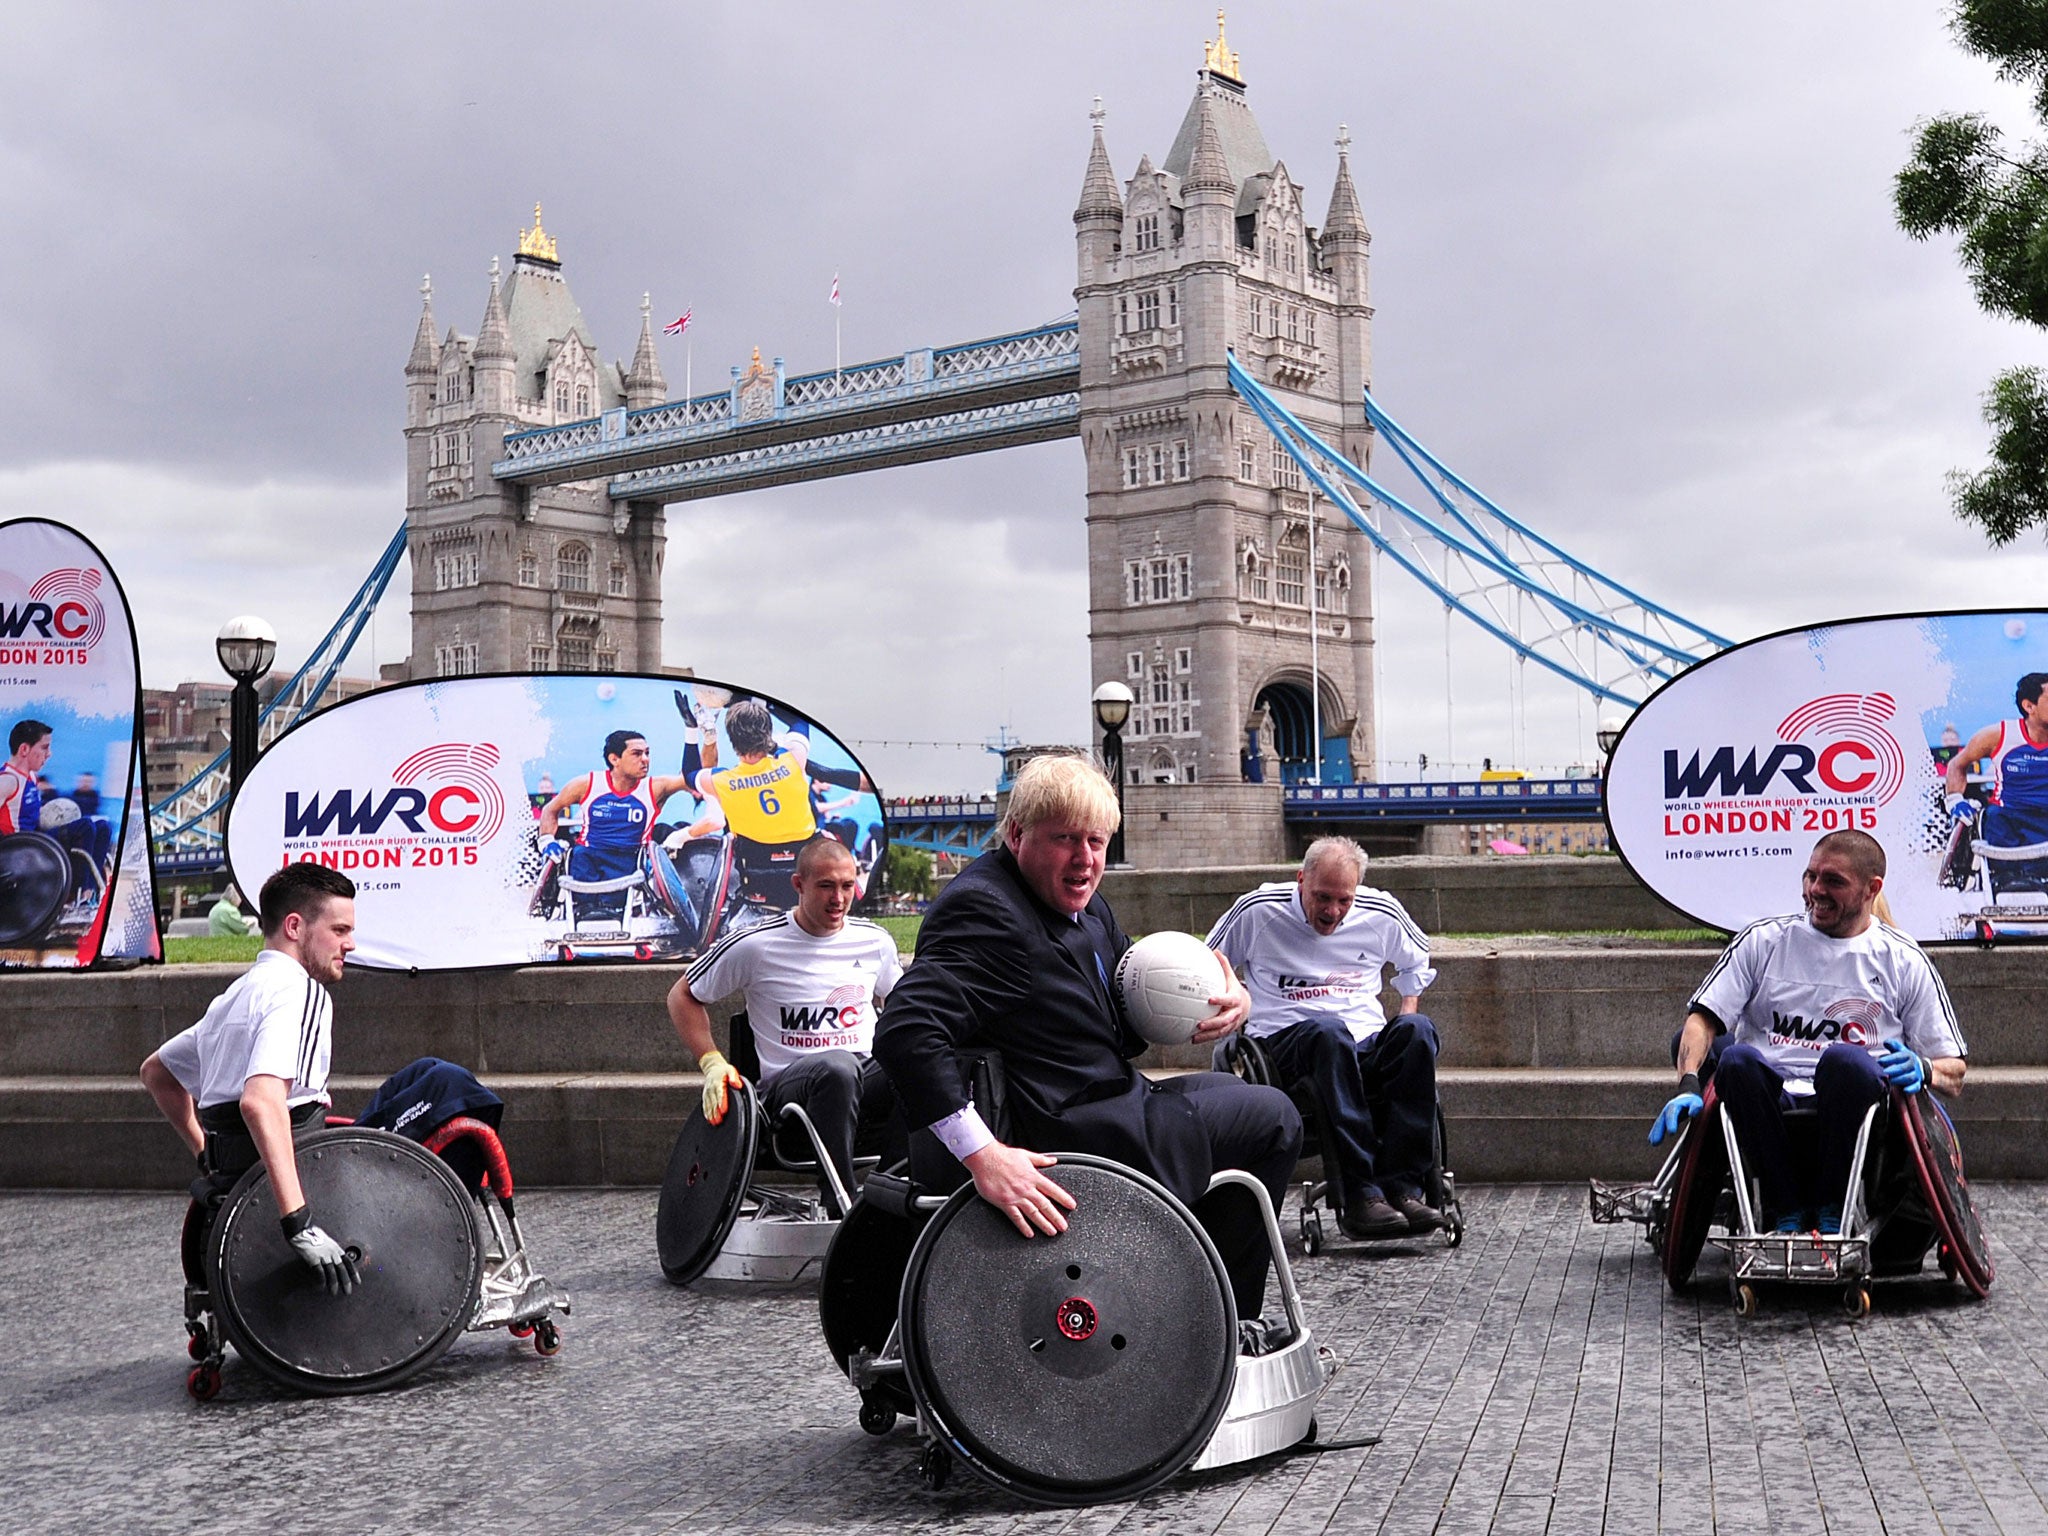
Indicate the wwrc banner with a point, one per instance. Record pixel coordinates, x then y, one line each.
505 820
1920 730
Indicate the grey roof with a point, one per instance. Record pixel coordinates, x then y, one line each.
539 312
1244 146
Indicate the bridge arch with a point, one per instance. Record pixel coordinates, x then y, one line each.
1286 741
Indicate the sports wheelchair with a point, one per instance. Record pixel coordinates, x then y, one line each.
1241 1055
2012 879
717 1220
48 892
437 1255
1070 1370
1906 1194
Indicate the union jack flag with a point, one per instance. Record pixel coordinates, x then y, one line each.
680 324
835 289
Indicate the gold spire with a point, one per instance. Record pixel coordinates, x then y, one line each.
1219 58
537 242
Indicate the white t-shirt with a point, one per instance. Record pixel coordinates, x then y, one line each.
1791 991
275 1021
804 993
1294 973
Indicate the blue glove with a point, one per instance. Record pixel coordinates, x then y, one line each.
1683 1106
554 848
1903 1069
1962 807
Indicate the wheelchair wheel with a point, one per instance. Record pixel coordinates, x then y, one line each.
1078 1369
709 1169
858 1294
1939 1161
414 1229
35 881
1701 1173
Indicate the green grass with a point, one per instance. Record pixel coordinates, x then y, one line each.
211 951
903 930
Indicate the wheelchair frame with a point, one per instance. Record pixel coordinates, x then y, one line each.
1247 1059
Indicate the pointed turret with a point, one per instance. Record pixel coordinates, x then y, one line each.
644 383
421 363
1208 170
493 355
1099 218
1345 220
1099 198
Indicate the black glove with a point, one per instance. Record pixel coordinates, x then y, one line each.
683 708
320 1252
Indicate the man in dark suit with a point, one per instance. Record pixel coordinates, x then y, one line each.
1017 955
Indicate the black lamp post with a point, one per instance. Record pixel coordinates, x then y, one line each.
1113 703
1606 736
246 647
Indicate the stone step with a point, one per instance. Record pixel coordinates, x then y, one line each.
1498 1005
600 1128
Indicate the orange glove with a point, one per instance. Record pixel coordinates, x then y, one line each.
718 1076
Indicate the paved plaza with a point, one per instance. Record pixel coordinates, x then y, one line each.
1540 1378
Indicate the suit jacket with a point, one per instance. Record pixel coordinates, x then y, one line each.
997 968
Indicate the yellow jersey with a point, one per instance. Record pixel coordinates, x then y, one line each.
767 801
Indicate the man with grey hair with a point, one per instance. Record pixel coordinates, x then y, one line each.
1313 951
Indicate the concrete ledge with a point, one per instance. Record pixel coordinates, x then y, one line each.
1517 1125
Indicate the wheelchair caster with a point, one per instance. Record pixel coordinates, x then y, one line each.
1744 1299
1856 1301
203 1383
1308 1436
547 1338
1947 1260
1312 1231
876 1416
199 1347
520 1330
934 1466
1454 1231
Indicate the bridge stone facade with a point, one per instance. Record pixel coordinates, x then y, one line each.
510 577
1200 530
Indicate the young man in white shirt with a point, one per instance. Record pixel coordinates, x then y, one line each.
811 980
1313 952
1828 1006
240 1082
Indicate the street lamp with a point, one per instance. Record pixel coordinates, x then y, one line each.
1606 736
245 647
1113 703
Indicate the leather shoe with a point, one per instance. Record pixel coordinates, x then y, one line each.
1371 1219
1420 1217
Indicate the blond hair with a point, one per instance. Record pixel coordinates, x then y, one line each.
1060 788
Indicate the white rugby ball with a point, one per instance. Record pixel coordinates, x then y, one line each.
57 813
1166 981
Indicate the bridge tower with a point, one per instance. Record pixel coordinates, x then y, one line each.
1199 527
515 578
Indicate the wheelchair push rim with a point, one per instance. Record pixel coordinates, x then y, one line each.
35 881
709 1169
413 1227
1701 1175
1938 1159
1079 1369
859 1291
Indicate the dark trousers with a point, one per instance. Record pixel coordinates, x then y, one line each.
851 1103
1377 1101
1846 1081
1255 1129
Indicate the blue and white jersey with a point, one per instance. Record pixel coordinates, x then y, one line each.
2019 770
1294 973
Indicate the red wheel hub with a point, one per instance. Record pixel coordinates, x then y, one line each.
1077 1318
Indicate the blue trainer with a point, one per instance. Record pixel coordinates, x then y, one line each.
1830 1221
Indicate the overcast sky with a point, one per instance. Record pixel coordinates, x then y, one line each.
1634 265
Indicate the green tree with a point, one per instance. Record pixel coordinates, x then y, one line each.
1964 180
907 872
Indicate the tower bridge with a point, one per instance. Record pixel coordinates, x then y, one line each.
1217 371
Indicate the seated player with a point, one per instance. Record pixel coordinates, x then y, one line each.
239 1084
765 798
1313 953
29 803
621 803
1016 956
2015 754
1829 1007
811 979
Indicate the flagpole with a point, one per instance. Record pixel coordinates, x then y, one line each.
689 357
838 383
